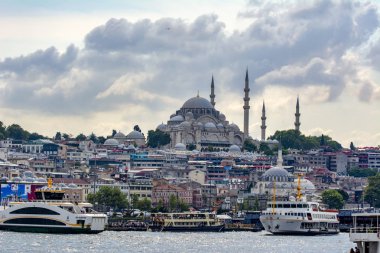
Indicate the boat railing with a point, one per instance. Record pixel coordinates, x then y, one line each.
365 230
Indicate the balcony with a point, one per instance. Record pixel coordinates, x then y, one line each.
366 234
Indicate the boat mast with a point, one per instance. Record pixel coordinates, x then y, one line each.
274 196
299 193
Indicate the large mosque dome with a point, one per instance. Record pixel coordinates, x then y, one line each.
197 102
135 135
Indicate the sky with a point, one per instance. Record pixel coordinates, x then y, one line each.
93 66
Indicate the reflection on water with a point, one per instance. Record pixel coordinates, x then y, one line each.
232 242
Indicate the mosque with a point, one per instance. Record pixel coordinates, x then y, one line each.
198 123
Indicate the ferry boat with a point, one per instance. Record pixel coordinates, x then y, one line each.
366 232
185 222
50 214
299 217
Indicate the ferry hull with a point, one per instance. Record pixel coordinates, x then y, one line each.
50 230
187 229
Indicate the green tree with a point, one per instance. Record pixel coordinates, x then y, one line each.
137 128
113 132
93 138
172 203
66 136
191 147
362 172
333 199
249 146
81 137
322 141
157 138
344 194
101 139
256 205
135 200
58 136
352 147
372 191
144 204
110 197
16 132
264 148
35 136
2 131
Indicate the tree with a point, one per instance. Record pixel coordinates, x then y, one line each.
344 194
101 139
35 136
113 132
157 138
110 197
249 146
66 136
144 204
93 138
172 203
265 149
58 136
191 146
352 147
372 191
135 200
362 172
137 128
16 132
333 199
2 131
81 137
322 142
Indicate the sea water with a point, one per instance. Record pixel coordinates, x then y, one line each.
229 242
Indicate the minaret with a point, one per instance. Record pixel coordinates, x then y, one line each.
263 126
212 95
279 156
297 123
246 105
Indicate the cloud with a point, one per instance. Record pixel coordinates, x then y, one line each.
312 47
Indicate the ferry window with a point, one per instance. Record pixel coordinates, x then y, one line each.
286 205
34 210
293 205
304 205
299 205
34 221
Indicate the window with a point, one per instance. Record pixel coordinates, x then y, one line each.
34 210
34 221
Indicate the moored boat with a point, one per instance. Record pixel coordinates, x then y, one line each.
50 214
185 222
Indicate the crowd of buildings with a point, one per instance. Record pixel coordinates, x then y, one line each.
226 179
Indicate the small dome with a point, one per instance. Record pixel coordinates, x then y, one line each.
234 149
189 116
277 173
307 184
180 147
111 142
210 126
222 117
29 179
135 135
119 135
17 179
219 125
72 185
197 102
177 118
185 124
4 179
161 127
173 115
41 180
272 141
234 127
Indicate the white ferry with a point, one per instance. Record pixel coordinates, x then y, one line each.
50 214
298 217
366 232
186 222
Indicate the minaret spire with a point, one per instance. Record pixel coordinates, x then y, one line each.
246 105
212 95
297 123
263 126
